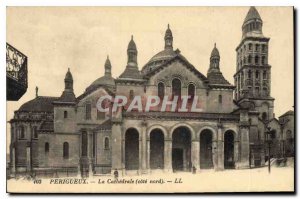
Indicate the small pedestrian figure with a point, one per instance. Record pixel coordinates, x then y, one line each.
194 169
116 174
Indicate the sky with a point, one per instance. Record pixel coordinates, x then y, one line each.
80 38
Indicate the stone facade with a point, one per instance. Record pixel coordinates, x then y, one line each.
68 135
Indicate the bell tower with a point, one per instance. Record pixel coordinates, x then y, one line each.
253 72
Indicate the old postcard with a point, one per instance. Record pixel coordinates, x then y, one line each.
150 99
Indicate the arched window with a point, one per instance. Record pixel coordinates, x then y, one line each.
263 47
220 99
250 90
34 132
249 74
161 90
65 114
250 46
131 94
66 150
249 59
176 88
106 143
265 91
257 74
46 147
257 47
256 59
88 110
263 60
264 116
22 132
191 91
265 75
257 90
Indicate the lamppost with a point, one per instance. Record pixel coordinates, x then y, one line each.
269 135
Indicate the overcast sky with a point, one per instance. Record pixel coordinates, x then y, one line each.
56 38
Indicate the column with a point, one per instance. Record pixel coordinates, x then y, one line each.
220 148
168 155
245 148
13 162
196 154
148 156
215 153
236 150
118 145
90 153
80 156
123 158
78 171
140 156
28 159
144 147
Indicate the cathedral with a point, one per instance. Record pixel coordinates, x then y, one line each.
68 135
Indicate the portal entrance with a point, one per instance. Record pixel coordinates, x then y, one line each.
156 149
131 149
206 157
177 159
181 149
229 150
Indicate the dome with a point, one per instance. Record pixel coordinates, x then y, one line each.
102 81
159 58
39 104
163 56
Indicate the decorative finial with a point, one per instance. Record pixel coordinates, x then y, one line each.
215 44
107 56
36 91
168 26
68 69
131 37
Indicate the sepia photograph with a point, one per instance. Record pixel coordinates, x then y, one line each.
150 99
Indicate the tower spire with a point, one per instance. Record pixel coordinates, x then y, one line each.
132 53
214 60
69 81
67 95
36 91
253 23
168 38
107 67
131 70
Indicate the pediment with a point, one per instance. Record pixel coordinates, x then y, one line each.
180 68
93 95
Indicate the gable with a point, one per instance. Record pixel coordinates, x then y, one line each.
93 96
177 68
